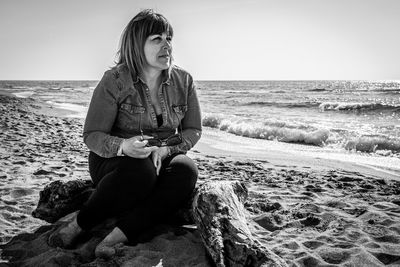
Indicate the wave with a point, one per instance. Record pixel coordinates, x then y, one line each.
302 134
279 131
344 106
69 106
385 89
19 87
24 94
317 90
373 143
282 105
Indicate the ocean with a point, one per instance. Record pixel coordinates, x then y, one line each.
347 116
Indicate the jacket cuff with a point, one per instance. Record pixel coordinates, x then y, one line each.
113 147
120 153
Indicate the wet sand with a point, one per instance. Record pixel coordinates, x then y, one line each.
311 211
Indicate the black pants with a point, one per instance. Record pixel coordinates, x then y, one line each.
129 189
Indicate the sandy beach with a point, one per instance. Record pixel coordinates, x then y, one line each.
310 208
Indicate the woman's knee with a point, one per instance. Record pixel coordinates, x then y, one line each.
182 169
136 172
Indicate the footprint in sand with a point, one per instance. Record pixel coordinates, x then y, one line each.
21 192
387 258
334 255
313 244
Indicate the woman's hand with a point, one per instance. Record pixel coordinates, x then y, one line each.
158 156
135 147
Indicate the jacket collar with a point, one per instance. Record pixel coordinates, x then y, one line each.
166 77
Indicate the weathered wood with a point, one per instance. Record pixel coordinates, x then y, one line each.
59 198
221 218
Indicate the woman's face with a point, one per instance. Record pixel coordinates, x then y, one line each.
157 51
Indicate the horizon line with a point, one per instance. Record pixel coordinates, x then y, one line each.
221 80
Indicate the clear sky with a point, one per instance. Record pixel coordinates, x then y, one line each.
214 39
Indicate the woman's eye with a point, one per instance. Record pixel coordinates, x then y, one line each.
169 38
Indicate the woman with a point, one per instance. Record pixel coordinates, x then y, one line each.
143 117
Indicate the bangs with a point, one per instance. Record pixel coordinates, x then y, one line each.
157 25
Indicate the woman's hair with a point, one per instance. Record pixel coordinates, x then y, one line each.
144 24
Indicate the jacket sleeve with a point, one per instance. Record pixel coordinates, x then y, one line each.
100 118
191 123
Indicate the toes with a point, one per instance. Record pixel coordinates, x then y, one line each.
104 251
63 237
55 240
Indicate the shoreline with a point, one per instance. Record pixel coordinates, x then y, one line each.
217 143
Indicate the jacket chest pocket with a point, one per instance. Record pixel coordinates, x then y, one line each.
179 113
130 116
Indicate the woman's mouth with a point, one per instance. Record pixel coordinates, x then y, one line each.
165 56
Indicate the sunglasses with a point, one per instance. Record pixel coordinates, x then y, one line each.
172 140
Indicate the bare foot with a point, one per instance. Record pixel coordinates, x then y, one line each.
105 249
65 236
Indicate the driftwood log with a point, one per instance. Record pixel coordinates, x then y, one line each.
216 208
221 218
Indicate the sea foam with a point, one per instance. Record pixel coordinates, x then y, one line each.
79 110
24 94
282 131
292 133
373 143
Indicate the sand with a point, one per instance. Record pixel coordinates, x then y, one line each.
310 208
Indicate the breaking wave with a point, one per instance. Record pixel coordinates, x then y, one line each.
297 133
280 131
283 105
373 143
344 106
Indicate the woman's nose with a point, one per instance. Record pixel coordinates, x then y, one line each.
167 44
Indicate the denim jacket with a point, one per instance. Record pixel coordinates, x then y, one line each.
121 107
